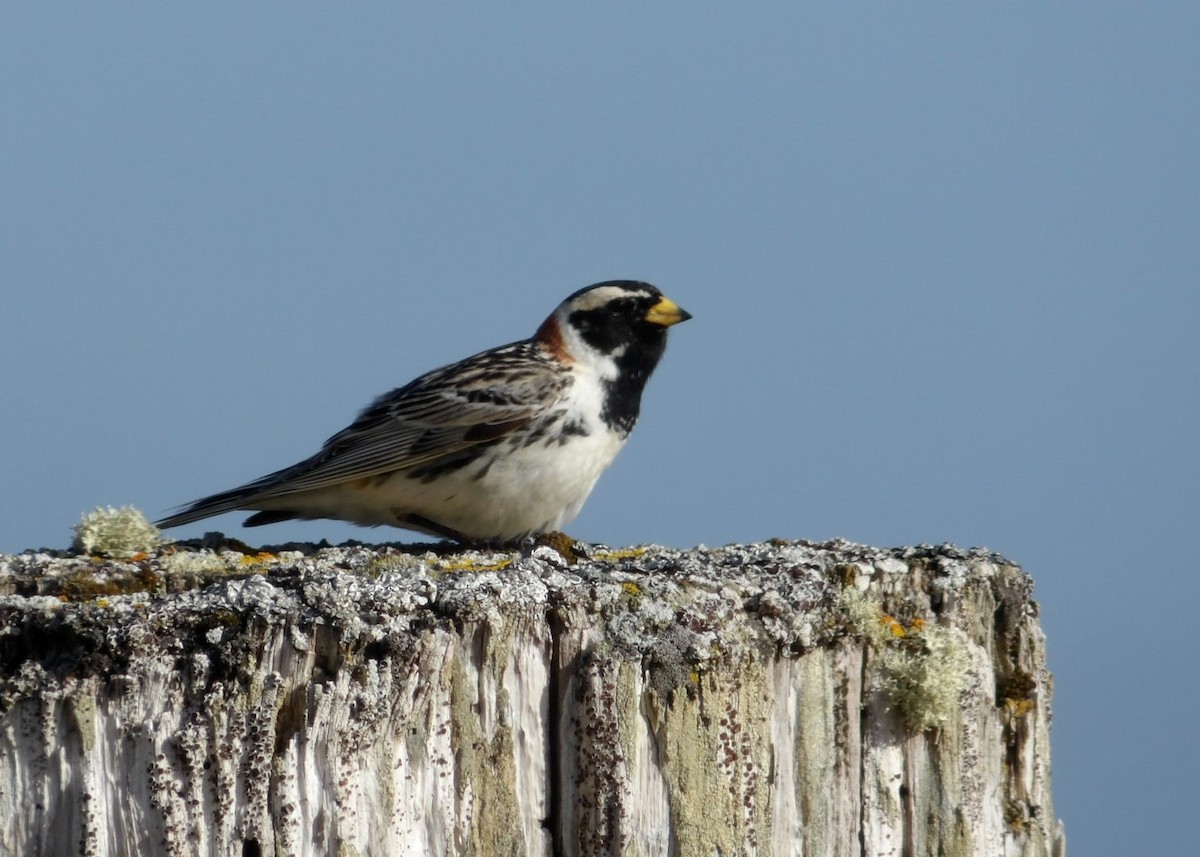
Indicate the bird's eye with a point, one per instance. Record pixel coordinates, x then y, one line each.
623 308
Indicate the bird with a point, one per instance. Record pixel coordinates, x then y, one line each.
494 449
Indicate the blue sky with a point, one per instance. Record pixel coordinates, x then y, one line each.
944 263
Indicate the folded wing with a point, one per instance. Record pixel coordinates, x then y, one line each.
439 414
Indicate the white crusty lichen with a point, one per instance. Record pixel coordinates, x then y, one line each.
924 676
119 533
670 696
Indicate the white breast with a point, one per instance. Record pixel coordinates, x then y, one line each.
516 489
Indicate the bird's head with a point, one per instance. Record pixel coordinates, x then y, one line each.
616 325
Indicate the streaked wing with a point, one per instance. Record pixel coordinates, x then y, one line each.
477 400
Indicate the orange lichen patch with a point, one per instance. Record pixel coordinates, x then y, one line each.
260 557
889 622
1014 708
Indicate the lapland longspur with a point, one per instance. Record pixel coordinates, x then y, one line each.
500 446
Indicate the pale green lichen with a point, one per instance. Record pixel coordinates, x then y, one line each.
922 668
924 678
119 533
719 755
202 562
865 615
81 709
391 563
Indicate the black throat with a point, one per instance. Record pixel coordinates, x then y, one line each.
623 394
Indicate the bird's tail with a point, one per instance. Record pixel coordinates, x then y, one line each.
207 507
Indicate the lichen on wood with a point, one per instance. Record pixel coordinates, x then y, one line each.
766 699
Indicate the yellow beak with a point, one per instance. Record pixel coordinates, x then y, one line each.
666 312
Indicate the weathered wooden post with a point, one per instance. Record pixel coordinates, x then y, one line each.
767 699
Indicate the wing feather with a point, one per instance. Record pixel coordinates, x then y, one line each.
478 400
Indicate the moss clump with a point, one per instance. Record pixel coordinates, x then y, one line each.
119 533
561 542
1015 694
1018 685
